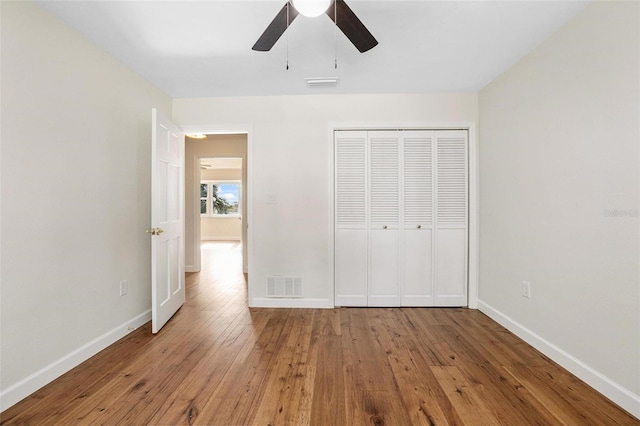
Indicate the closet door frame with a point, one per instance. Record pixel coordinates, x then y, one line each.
473 205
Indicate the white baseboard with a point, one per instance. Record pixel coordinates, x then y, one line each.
191 268
49 373
269 302
612 390
238 239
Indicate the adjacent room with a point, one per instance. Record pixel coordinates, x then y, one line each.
393 212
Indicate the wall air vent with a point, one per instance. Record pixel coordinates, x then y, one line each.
284 286
322 82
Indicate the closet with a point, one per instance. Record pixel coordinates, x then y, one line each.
401 217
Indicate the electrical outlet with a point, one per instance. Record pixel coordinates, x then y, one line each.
526 289
124 287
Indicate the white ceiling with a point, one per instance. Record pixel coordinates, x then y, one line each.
203 48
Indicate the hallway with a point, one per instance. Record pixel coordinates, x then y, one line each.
220 285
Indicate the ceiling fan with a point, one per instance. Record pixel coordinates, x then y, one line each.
337 10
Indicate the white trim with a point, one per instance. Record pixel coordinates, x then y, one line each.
197 174
473 229
474 216
267 302
222 216
612 390
331 232
191 268
210 238
49 373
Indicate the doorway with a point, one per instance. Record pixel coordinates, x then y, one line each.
219 163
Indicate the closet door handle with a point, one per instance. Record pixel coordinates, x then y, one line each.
419 226
384 227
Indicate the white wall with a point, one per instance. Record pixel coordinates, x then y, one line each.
291 159
559 149
70 236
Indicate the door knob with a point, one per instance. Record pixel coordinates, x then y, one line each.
155 231
384 227
419 226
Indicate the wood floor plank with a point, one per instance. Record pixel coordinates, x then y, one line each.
465 397
282 391
375 388
150 373
240 390
218 362
184 399
328 392
567 397
418 389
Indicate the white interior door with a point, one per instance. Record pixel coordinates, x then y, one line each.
417 233
351 219
451 218
384 207
167 220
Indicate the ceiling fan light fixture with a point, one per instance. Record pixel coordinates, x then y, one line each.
196 135
311 8
322 82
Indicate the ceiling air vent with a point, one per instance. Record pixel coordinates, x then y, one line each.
322 82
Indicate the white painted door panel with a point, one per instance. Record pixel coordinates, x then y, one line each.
167 216
351 267
384 286
451 267
417 288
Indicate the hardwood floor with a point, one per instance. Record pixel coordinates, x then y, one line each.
218 362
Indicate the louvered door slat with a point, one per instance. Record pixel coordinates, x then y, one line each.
451 157
418 179
384 180
351 178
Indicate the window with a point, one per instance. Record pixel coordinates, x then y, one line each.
220 198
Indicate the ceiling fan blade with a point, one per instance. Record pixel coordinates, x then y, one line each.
351 26
276 28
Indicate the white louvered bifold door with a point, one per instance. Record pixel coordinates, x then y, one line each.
451 218
351 240
401 218
384 226
417 227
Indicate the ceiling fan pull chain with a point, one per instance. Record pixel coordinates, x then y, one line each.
335 33
287 36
